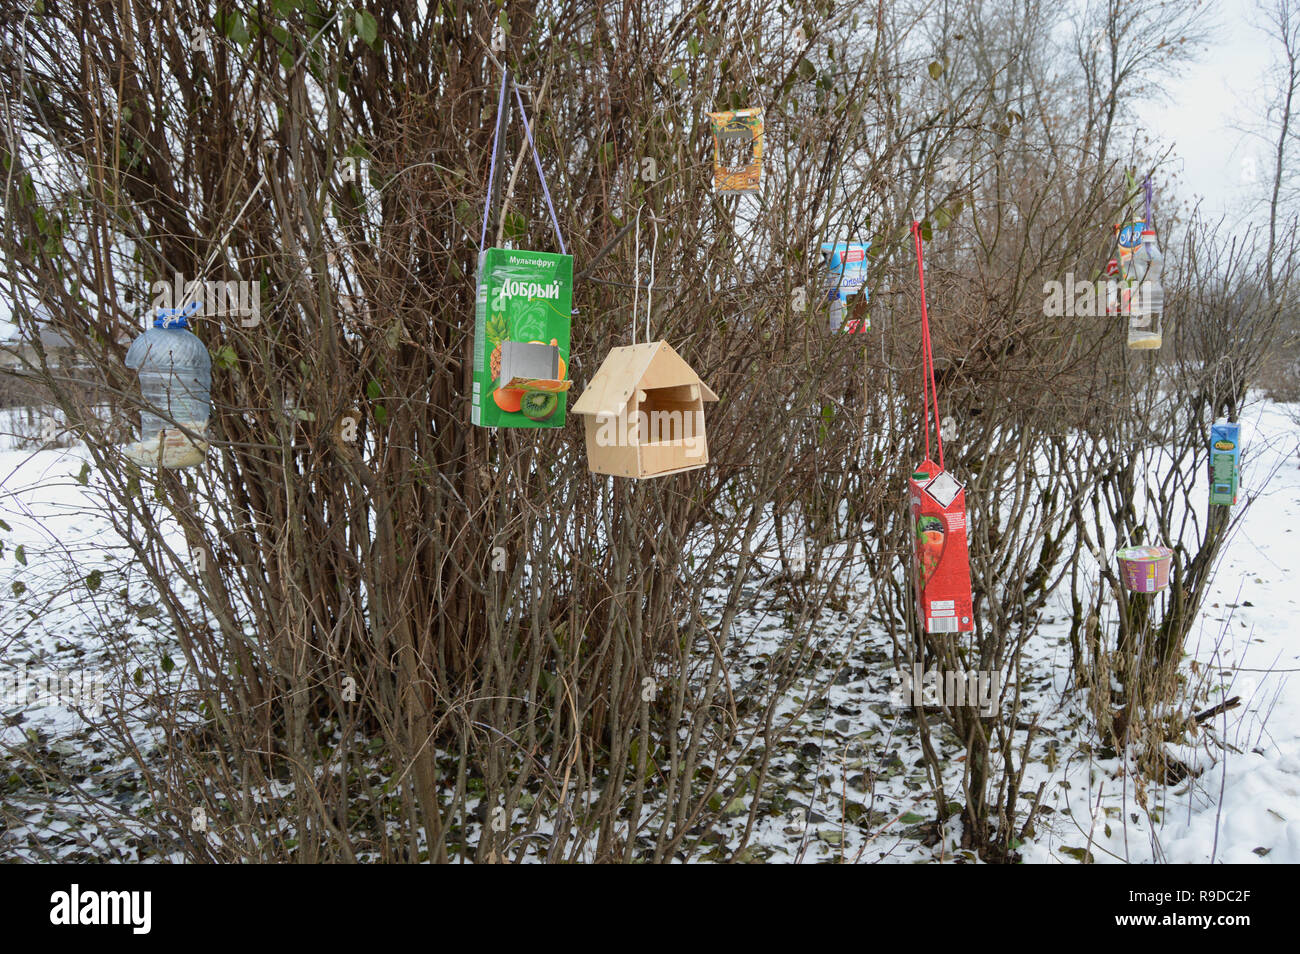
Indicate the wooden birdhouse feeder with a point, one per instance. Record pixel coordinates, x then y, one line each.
644 413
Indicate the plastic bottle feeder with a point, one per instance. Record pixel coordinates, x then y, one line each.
1142 270
1145 569
1144 332
175 378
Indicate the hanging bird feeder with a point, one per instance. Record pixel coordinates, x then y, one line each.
521 338
1142 263
523 311
846 265
644 407
1225 457
737 151
1145 569
944 600
175 372
644 413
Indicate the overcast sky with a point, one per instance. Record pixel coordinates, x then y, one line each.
1209 108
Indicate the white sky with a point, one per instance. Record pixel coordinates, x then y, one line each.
1209 109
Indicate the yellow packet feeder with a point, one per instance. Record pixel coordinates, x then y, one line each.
741 131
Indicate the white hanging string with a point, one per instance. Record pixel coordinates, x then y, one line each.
650 289
636 275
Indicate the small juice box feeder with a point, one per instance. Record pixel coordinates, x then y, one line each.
938 509
942 558
1225 459
737 151
1145 569
846 264
521 338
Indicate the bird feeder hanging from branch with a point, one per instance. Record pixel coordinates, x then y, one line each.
944 601
1141 266
644 413
522 318
737 151
1225 457
175 372
846 266
1145 569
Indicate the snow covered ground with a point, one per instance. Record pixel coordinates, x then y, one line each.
850 784
1245 807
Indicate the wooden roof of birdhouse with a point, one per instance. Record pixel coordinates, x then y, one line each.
642 366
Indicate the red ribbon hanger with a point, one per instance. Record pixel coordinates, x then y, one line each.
927 354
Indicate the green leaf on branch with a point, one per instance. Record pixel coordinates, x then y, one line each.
516 225
225 358
367 27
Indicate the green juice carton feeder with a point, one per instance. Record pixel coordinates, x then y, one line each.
1225 459
522 316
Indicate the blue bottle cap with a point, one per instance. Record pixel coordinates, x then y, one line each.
175 317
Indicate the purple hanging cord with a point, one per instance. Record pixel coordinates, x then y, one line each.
537 160
492 173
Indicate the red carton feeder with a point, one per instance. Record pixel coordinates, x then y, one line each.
1145 569
943 593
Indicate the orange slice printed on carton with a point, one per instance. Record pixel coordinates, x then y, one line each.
508 399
